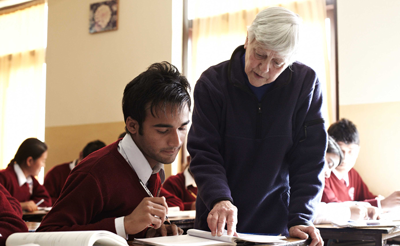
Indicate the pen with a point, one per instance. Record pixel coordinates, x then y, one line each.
39 202
151 195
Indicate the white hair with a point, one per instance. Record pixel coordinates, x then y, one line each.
278 29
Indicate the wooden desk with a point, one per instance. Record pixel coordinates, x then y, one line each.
35 216
290 242
378 235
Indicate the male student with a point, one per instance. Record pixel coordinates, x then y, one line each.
110 189
346 184
56 177
10 216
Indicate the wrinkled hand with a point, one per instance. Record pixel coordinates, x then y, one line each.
358 212
151 211
29 206
303 232
164 230
391 201
224 212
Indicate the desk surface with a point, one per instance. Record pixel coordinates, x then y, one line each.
376 234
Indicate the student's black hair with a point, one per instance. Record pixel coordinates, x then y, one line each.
92 147
160 85
344 131
334 148
122 135
30 147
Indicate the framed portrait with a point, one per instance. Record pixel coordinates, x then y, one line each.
103 16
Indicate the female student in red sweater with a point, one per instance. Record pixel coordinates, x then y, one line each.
19 176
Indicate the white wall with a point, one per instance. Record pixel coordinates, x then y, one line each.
369 86
86 73
369 51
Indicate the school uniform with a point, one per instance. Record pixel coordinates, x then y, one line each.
10 217
23 188
56 177
351 188
104 188
182 186
14 202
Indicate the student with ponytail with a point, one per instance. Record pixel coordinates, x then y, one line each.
19 176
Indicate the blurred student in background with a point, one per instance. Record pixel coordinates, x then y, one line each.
19 176
329 212
183 187
346 183
56 177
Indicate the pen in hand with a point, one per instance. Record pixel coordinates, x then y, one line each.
151 195
39 202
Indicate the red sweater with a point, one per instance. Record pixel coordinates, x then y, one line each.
55 180
101 188
10 220
9 179
14 202
176 185
335 190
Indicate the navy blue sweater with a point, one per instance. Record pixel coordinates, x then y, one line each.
265 156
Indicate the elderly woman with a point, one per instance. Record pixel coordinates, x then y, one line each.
258 138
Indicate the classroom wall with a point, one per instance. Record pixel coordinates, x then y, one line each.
87 73
369 51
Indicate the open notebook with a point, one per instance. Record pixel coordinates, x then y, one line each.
366 223
66 238
199 237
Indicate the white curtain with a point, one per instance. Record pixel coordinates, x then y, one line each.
22 77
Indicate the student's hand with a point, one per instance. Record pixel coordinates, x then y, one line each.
358 212
391 201
29 206
373 212
303 232
224 212
193 206
151 211
164 230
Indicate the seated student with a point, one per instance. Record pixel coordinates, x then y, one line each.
56 177
329 212
346 184
110 189
19 176
184 187
10 216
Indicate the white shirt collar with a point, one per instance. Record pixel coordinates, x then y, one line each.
340 177
21 176
189 180
138 162
73 164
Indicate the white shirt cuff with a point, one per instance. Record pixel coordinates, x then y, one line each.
120 228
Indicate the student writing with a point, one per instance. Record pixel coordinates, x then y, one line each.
19 176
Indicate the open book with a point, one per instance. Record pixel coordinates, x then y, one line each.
366 223
66 238
199 237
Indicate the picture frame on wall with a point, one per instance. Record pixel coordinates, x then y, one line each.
103 16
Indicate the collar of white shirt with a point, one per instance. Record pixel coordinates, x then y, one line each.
72 165
132 154
189 180
340 177
21 176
